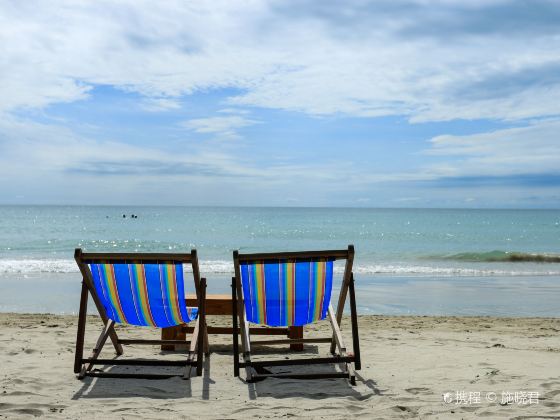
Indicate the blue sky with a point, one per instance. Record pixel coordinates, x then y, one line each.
281 103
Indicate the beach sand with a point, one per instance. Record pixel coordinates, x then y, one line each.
409 363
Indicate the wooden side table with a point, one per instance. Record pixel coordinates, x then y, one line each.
222 305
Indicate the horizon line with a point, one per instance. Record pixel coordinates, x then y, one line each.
274 207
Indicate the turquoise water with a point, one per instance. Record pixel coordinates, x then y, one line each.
432 250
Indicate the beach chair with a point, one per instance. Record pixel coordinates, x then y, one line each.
142 290
292 289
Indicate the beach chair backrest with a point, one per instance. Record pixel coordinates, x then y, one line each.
286 292
289 288
142 293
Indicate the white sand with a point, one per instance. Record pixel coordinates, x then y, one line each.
408 364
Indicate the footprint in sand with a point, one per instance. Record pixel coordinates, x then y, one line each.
548 385
29 411
21 393
469 409
548 396
405 409
486 414
418 390
552 394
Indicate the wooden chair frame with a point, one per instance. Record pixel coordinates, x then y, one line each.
350 362
199 339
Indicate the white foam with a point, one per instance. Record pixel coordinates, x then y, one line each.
30 266
445 271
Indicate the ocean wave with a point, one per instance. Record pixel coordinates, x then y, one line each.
28 266
501 256
414 270
31 266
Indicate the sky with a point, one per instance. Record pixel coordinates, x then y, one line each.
417 103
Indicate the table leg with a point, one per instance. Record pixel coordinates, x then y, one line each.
296 332
172 333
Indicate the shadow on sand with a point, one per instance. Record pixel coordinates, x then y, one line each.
313 389
175 388
171 388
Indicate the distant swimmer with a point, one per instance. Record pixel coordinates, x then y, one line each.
124 216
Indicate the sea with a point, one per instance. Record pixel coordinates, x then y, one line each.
407 262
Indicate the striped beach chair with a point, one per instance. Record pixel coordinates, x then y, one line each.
291 289
143 290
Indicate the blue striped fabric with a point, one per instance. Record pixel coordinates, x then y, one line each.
143 294
286 293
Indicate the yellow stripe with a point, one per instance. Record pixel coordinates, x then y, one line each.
260 298
290 292
172 293
113 292
254 285
263 291
319 284
142 291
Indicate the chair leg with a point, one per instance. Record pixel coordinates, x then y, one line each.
206 341
79 355
115 340
244 330
354 316
193 350
199 358
205 326
235 329
246 341
343 291
340 345
98 347
201 328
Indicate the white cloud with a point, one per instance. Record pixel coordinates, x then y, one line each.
508 156
237 111
225 127
532 149
160 104
429 61
52 164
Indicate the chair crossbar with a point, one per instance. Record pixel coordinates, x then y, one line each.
133 362
289 362
299 256
290 341
259 376
127 341
253 330
146 258
151 376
